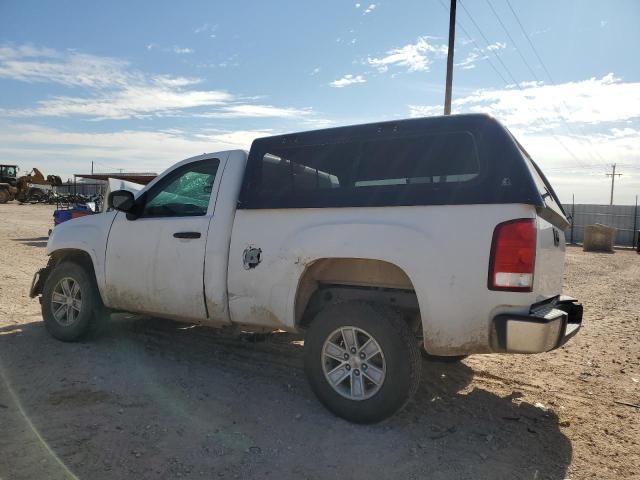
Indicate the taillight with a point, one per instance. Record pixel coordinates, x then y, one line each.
513 256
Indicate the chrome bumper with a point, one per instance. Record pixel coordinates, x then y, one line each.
548 325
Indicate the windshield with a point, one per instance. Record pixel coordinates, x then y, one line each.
8 171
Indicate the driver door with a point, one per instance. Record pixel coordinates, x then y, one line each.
155 263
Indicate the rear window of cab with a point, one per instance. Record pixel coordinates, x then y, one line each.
357 172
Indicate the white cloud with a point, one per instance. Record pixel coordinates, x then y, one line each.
470 60
69 68
169 81
370 8
497 46
538 106
625 132
596 100
205 28
476 54
256 111
132 102
601 125
182 50
414 56
71 152
348 80
425 110
111 89
175 49
585 177
357 5
24 51
315 71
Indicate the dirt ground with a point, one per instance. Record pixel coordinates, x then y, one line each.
156 399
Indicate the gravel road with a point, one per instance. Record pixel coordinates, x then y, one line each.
156 399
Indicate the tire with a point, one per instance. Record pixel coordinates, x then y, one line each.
4 195
84 316
398 360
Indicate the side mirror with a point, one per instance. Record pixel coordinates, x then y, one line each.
122 200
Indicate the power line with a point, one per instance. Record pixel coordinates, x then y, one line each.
477 47
524 60
112 168
530 42
535 51
515 82
592 168
533 73
571 154
489 44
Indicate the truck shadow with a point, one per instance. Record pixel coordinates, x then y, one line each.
152 398
32 242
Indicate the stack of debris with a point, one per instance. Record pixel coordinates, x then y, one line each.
598 238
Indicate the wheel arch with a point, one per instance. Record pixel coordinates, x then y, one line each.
333 279
75 255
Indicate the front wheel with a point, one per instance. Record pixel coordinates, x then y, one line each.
362 361
70 302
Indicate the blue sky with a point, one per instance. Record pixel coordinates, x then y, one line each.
141 85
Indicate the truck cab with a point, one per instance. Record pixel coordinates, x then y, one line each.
376 241
8 175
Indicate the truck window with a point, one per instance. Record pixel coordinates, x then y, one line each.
184 192
308 167
359 165
447 158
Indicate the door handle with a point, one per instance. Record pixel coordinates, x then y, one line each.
187 235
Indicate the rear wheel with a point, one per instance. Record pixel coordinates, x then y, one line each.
362 361
71 303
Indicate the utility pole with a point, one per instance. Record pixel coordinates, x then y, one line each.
635 226
613 180
452 37
92 167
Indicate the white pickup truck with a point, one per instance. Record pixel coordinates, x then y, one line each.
374 240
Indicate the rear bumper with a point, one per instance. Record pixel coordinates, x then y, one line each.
548 325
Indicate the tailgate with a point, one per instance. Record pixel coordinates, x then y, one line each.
552 223
547 280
